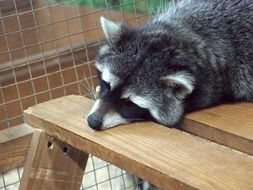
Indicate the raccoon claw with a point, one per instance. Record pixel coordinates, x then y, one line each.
97 91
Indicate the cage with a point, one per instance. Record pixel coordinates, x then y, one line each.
47 50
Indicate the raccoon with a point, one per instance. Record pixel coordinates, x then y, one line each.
194 55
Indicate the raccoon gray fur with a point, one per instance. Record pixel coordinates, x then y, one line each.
194 55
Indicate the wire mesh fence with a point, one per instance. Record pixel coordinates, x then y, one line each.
99 175
47 50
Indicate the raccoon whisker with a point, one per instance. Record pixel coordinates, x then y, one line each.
86 80
191 55
84 84
93 96
88 90
78 92
92 84
91 93
91 89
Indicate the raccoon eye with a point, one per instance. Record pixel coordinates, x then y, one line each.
130 104
104 88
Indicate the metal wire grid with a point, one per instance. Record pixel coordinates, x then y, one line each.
9 71
38 27
99 175
16 72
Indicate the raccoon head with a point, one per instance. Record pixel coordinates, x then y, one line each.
135 84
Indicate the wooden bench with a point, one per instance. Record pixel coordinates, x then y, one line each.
14 144
169 158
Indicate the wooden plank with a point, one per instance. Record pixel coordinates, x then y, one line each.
230 125
52 164
168 158
14 144
16 132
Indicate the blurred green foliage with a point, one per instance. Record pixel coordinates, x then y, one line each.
144 6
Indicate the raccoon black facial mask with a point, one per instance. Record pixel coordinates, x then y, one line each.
194 55
111 110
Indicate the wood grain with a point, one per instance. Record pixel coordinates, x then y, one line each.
230 125
51 168
168 158
14 144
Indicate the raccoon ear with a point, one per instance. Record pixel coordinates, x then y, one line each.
110 28
181 83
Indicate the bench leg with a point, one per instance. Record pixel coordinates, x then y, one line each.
52 164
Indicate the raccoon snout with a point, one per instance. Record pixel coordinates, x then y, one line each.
94 122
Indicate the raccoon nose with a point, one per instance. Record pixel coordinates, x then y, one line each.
94 122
